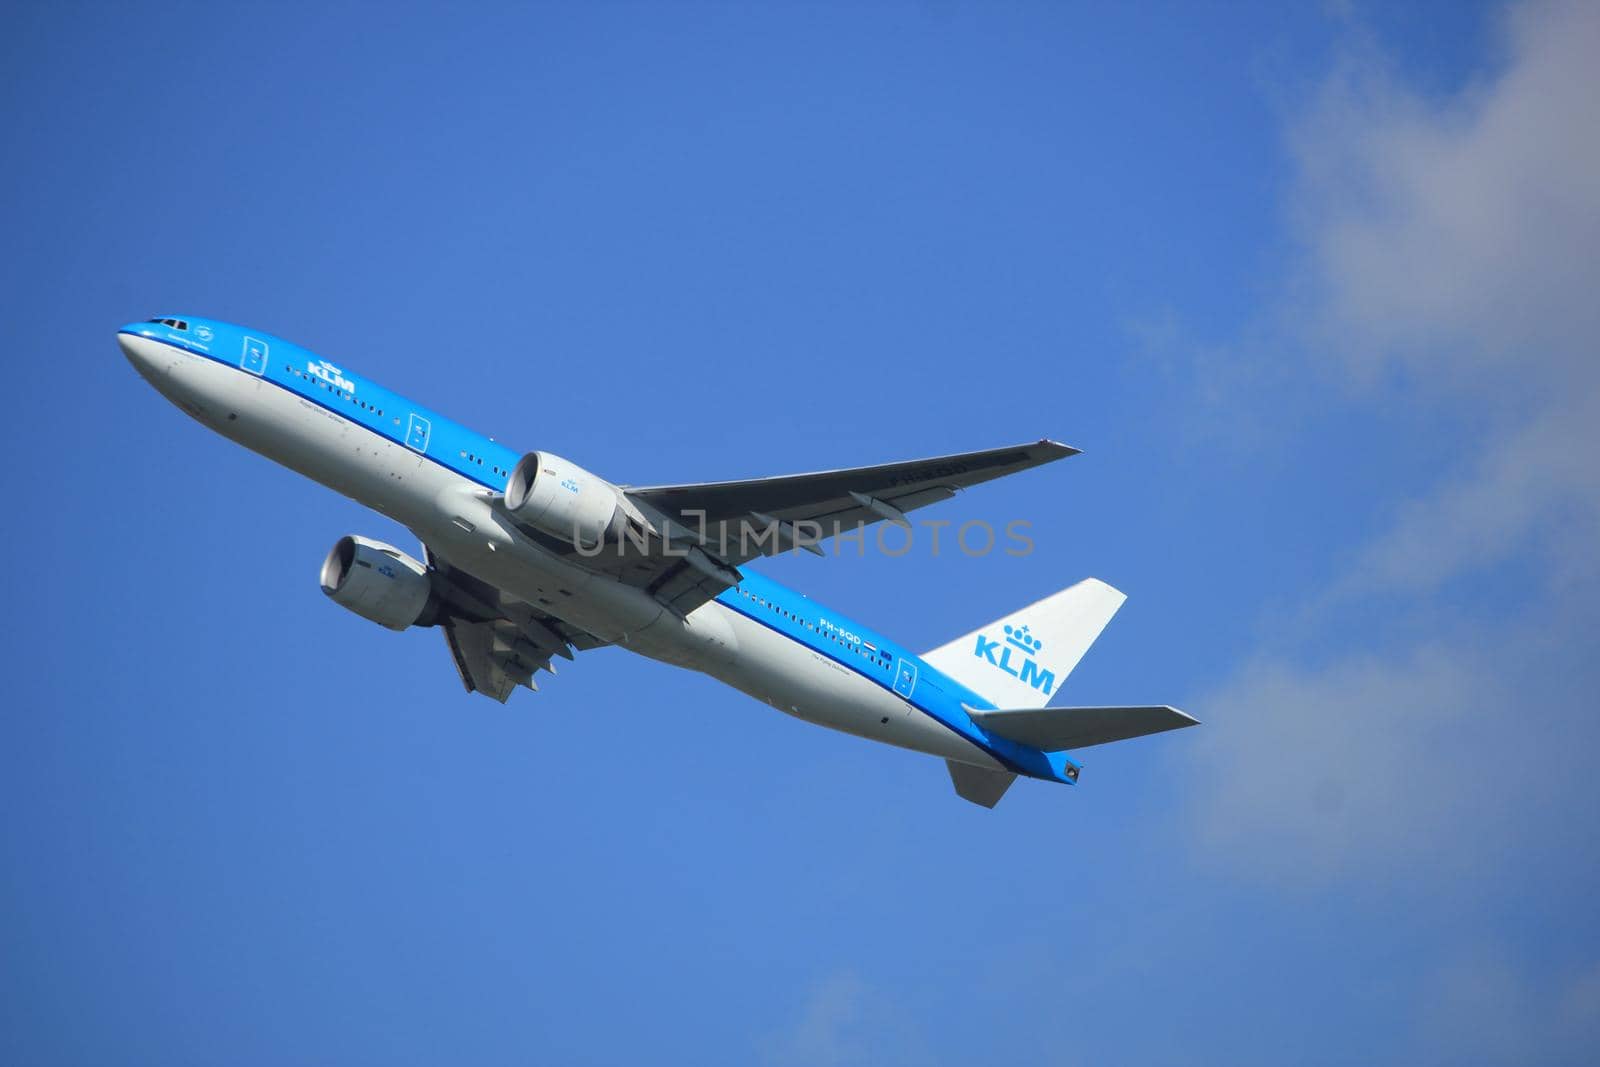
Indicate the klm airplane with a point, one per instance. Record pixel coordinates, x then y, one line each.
529 557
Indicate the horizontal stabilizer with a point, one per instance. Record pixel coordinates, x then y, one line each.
979 784
1054 729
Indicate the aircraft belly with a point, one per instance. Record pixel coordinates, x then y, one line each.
803 682
289 429
516 566
206 390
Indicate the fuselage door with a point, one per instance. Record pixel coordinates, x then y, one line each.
905 678
254 357
417 433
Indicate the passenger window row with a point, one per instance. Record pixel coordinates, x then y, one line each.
879 656
473 458
320 384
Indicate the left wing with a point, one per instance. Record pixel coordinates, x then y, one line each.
499 643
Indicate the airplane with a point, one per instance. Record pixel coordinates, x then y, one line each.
527 557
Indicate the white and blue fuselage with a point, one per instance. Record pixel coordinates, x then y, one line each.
441 480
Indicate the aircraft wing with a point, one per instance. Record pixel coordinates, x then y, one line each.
499 643
717 512
700 533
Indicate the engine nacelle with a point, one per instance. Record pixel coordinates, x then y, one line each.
562 499
379 582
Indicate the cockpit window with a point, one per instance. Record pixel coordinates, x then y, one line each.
176 324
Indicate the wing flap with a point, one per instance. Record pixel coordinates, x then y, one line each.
482 671
1054 729
498 643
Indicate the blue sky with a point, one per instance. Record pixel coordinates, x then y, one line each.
1312 285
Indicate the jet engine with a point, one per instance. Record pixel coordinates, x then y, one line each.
379 582
562 499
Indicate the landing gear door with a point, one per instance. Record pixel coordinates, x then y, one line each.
905 678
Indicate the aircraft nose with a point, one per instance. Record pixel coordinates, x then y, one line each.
149 357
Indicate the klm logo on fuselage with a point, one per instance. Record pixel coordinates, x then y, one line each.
1015 657
321 368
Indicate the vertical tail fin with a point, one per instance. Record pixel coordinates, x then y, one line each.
1020 660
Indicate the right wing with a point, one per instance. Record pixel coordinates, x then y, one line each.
499 643
701 533
829 501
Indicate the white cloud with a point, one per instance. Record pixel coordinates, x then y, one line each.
1457 242
1317 772
1451 259
1539 481
1458 238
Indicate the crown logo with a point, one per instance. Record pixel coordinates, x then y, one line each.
1019 637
